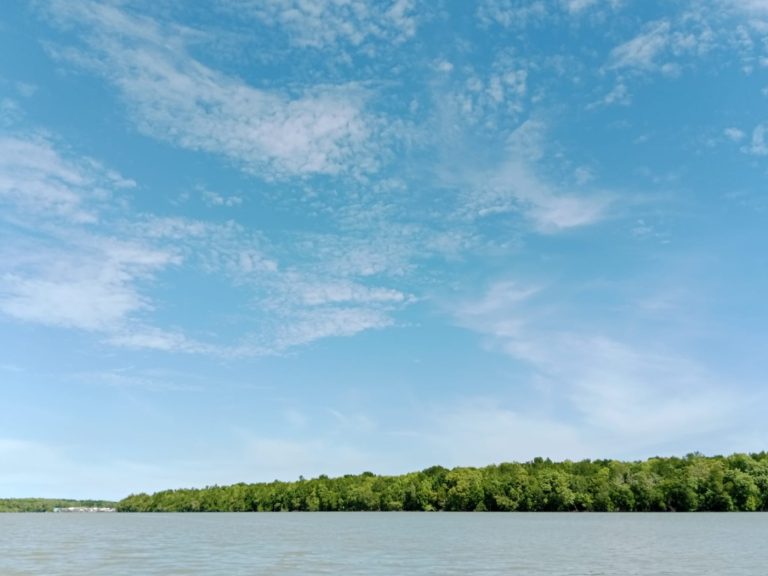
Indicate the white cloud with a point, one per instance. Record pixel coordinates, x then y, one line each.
643 229
580 6
643 50
214 248
511 14
175 98
583 175
513 186
329 289
618 95
575 6
354 423
758 145
146 380
214 199
36 179
10 112
483 97
328 23
670 45
74 260
501 296
13 368
347 292
26 89
56 268
72 303
521 15
314 324
734 134
639 394
303 308
491 96
375 249
751 6
91 283
153 338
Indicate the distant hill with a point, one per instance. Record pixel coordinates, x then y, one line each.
694 483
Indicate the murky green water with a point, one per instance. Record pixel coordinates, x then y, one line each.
383 543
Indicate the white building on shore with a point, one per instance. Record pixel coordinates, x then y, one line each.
84 509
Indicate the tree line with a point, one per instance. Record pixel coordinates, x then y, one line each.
49 504
694 483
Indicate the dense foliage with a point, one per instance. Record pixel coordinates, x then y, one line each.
47 504
737 482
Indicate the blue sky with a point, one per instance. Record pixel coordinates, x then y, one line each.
243 240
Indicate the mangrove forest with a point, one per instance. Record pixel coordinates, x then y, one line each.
738 482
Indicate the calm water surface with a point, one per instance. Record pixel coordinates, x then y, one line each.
383 543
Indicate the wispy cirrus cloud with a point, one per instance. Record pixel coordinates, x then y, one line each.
758 144
10 112
140 336
640 393
304 307
81 280
175 98
686 37
520 15
751 6
218 200
619 95
57 268
147 380
643 50
345 291
514 186
311 324
578 7
323 24
508 13
487 99
734 134
74 256
35 179
333 285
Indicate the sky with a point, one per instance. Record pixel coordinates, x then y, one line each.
246 240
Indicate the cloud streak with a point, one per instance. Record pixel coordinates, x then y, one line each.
637 393
643 50
86 281
57 269
758 146
177 99
513 186
321 24
36 179
74 258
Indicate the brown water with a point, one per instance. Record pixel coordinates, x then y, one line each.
383 543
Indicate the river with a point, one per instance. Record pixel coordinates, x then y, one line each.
400 544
